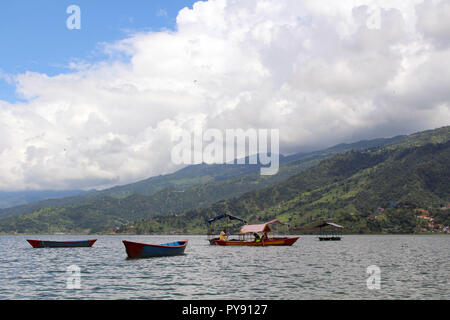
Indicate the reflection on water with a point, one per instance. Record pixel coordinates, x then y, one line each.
412 267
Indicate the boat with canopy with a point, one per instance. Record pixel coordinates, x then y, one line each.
228 225
329 231
258 235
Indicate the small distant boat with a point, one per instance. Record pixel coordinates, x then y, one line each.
61 244
144 250
329 231
250 236
327 238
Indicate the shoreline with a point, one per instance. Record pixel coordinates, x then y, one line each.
201 234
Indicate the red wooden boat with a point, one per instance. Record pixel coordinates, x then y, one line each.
144 250
61 244
262 243
250 235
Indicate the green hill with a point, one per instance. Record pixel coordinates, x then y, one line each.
202 174
192 175
17 198
189 176
332 188
104 213
348 189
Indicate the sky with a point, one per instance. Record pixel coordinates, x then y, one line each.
35 37
97 107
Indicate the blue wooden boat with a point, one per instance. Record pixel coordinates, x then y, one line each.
144 250
61 244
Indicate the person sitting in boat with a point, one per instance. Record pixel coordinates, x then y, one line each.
223 235
265 236
257 237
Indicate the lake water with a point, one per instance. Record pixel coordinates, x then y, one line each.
411 267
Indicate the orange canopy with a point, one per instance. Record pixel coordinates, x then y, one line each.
255 228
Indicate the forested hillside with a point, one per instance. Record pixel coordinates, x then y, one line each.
363 189
385 190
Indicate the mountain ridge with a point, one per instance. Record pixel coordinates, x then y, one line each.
348 189
185 177
107 213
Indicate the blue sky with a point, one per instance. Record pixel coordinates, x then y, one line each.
34 36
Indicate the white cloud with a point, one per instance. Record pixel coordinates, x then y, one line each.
433 21
322 73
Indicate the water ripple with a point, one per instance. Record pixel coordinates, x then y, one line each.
412 267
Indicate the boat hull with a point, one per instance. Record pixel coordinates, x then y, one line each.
144 250
270 242
330 238
213 241
61 244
